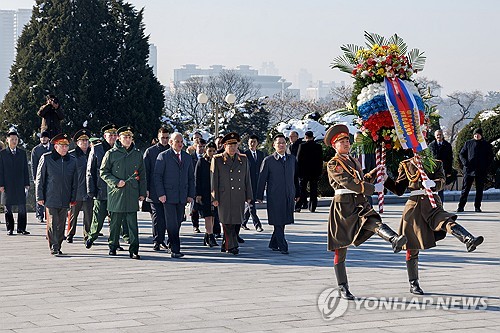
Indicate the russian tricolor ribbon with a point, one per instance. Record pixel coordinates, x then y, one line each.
405 114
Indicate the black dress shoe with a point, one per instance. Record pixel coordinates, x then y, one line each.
297 210
60 253
119 248
478 210
164 246
244 227
234 251
10 232
345 293
241 240
196 230
112 252
88 243
156 247
69 239
259 229
135 256
284 252
460 210
176 255
274 248
222 249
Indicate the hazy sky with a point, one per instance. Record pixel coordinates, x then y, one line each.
459 37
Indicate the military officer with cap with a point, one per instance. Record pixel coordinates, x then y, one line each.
83 200
231 188
56 187
96 186
123 171
352 219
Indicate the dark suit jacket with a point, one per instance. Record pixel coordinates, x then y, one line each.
444 153
294 148
476 157
173 178
150 156
310 160
254 166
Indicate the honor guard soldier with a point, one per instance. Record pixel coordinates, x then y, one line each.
352 219
231 188
123 171
56 187
421 223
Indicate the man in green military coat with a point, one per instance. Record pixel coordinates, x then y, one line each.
123 171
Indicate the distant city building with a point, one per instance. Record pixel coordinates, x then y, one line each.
12 23
268 68
319 89
305 80
153 58
269 85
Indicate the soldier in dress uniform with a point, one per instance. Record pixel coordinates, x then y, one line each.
123 171
83 200
422 224
56 186
352 219
231 188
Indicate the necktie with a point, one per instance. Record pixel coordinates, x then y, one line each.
14 152
254 155
179 157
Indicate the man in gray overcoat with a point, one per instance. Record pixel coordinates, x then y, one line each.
14 183
279 173
231 188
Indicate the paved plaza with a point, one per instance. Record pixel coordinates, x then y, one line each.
257 291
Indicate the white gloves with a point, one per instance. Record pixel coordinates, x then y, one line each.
428 184
379 187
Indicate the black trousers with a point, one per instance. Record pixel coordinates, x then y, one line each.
466 185
174 214
217 227
195 216
278 240
158 222
21 218
251 210
313 193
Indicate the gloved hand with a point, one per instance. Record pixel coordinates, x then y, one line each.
428 184
379 187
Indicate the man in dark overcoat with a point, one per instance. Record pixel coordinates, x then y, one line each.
83 200
476 156
157 211
173 178
254 158
442 150
123 171
56 186
310 163
14 183
231 188
279 177
197 152
43 147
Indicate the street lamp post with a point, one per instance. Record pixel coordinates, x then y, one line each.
203 99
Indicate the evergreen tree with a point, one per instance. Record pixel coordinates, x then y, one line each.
92 54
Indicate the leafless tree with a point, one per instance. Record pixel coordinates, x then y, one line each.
464 103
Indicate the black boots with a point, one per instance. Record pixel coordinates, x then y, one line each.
465 237
389 235
209 240
412 269
341 275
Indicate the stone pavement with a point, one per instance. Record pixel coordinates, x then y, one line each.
257 291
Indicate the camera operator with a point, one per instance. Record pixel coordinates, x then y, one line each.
51 113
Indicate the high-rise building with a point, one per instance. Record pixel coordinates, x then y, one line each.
12 23
153 58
